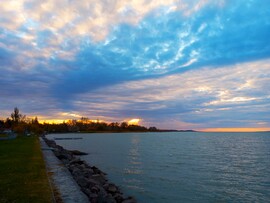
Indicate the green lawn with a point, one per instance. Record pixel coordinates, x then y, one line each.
23 176
3 135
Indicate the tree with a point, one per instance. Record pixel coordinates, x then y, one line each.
124 125
114 126
8 123
2 123
16 116
153 129
35 121
85 120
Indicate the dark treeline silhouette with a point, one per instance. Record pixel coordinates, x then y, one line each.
22 125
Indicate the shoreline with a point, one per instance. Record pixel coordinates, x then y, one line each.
91 180
63 186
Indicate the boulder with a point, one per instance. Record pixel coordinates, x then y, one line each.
106 186
87 172
77 152
118 197
112 188
93 198
129 200
95 189
92 183
97 171
99 178
106 199
82 181
87 191
76 161
76 172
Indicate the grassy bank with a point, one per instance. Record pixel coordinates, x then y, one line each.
22 172
3 135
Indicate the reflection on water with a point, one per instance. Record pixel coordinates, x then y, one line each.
182 167
134 166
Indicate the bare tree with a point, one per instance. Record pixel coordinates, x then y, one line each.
16 116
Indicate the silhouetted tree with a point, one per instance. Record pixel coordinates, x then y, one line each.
8 123
114 126
23 125
35 121
2 124
153 129
124 125
16 116
85 120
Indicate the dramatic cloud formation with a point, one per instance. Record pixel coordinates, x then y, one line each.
178 63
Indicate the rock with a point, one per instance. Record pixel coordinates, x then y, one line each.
82 181
93 198
65 161
88 172
95 189
87 191
97 171
112 188
71 168
62 155
106 186
129 200
77 152
106 199
60 148
50 143
99 178
76 172
76 161
92 183
118 197
81 167
102 191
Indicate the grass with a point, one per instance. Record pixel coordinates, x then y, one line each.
23 177
3 135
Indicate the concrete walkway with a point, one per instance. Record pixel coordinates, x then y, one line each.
61 177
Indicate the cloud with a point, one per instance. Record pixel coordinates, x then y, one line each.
229 96
199 98
165 43
70 37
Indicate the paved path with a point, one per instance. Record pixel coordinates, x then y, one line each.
62 179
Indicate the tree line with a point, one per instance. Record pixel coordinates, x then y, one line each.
23 125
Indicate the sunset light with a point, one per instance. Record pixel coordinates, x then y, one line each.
134 121
177 64
171 98
236 130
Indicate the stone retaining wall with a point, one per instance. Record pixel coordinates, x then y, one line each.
93 181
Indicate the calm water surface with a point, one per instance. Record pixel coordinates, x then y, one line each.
181 167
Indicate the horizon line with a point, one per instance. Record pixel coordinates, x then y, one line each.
235 129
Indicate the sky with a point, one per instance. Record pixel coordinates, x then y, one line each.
174 64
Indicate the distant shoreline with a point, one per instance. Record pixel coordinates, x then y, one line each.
158 131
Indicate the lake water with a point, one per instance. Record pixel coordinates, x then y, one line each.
181 167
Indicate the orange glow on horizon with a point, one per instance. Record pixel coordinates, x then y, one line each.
134 121
235 129
52 121
58 121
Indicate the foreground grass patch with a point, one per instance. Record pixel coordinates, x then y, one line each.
23 175
3 135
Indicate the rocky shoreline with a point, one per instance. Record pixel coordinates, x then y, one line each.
92 181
